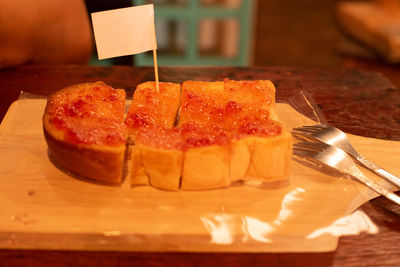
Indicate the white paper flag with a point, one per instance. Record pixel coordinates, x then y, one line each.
124 31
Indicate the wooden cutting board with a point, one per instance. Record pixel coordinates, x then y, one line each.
43 207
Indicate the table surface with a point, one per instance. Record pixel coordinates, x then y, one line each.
359 102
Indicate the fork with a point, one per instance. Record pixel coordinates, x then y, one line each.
336 158
333 136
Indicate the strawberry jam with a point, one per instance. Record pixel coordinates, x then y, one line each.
139 117
202 103
260 128
160 137
235 114
151 108
198 136
89 114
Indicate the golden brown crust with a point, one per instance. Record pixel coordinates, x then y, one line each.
86 161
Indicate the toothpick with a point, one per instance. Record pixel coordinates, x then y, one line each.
156 69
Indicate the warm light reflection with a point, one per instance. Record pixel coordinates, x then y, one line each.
333 161
165 207
112 233
220 228
290 198
337 139
259 230
256 229
353 224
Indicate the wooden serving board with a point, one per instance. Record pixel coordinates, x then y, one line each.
43 207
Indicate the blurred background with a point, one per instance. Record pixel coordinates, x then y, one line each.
308 33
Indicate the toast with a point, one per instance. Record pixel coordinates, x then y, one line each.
260 150
260 147
226 133
161 152
151 108
202 103
201 120
245 100
206 159
84 129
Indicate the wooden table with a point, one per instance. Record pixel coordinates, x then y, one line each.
359 102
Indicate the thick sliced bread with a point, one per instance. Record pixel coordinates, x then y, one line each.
158 158
84 129
202 103
148 109
152 108
270 157
205 164
206 160
260 150
251 99
225 134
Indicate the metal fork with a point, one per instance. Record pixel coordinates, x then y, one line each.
333 136
336 158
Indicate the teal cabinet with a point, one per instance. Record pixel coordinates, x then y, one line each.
200 32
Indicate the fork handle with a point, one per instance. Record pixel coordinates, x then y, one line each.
378 170
376 187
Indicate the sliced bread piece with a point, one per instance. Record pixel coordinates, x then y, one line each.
206 160
202 103
84 129
148 109
161 152
152 108
260 150
247 99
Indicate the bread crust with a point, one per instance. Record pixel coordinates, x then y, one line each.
87 161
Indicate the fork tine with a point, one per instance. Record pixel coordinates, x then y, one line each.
318 126
308 157
312 128
304 137
304 153
305 129
304 132
311 145
324 154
